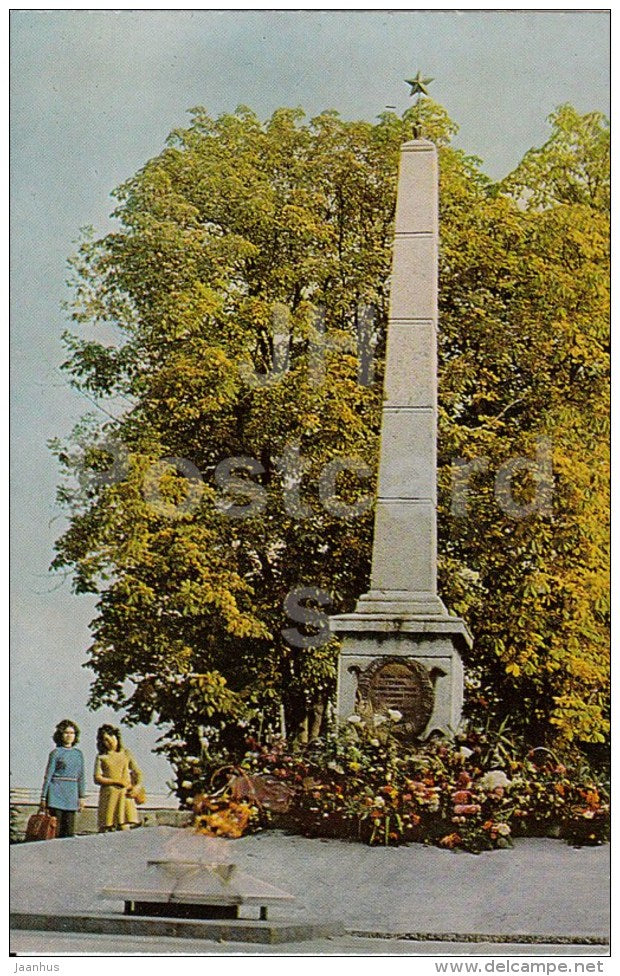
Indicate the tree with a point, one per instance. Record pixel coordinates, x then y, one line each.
249 261
571 168
526 370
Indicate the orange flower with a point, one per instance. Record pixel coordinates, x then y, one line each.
451 840
228 822
201 803
591 797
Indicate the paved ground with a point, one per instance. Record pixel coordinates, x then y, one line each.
56 943
542 888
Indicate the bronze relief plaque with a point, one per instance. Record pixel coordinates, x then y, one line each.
402 685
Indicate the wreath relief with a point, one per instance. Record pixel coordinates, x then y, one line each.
400 684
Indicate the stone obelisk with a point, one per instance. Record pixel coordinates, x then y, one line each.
400 647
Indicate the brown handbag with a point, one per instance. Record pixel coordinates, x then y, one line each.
41 826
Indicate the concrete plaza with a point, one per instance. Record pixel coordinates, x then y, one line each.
541 896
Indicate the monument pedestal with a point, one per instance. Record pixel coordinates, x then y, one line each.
400 648
404 662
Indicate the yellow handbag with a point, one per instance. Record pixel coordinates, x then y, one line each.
139 795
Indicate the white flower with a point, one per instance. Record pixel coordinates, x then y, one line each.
465 752
186 784
354 719
469 575
374 742
378 720
394 715
494 779
379 801
502 829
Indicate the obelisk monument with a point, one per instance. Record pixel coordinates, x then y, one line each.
400 647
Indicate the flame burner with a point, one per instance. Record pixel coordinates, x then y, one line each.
176 888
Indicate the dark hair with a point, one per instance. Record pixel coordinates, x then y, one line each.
60 728
108 730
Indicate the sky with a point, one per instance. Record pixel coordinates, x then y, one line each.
93 96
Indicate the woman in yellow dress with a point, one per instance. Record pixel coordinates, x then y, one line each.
117 773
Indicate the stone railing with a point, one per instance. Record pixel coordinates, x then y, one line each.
158 811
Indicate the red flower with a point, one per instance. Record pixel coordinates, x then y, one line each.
461 796
466 808
464 779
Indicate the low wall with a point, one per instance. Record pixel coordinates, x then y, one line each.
86 823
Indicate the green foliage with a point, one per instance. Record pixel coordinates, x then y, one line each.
16 830
524 343
573 166
235 222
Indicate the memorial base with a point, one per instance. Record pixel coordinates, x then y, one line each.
409 663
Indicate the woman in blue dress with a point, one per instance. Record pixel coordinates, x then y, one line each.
64 786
